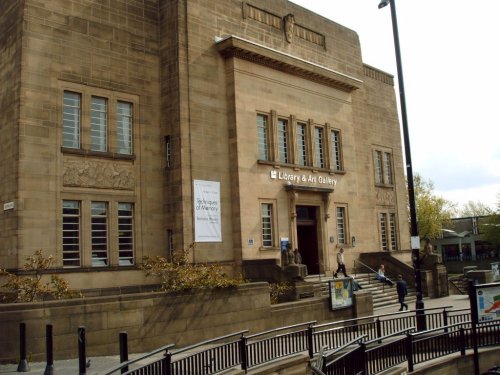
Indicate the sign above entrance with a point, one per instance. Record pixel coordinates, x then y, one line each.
304 178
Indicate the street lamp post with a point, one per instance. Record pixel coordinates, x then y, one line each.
415 241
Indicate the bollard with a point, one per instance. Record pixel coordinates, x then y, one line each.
123 350
49 369
23 365
82 362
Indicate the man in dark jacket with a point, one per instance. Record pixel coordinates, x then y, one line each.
402 292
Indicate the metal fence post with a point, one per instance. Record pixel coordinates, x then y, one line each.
363 358
409 351
310 342
123 350
23 365
49 368
445 319
167 363
82 362
379 328
243 353
463 344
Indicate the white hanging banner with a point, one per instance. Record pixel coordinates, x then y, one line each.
207 220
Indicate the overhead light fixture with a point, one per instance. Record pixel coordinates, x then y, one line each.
383 3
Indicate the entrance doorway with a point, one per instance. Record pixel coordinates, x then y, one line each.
307 238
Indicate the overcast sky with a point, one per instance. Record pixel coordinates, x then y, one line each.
451 70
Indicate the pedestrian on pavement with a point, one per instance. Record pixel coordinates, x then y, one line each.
402 292
340 262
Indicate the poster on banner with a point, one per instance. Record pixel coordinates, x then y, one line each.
488 302
207 213
340 293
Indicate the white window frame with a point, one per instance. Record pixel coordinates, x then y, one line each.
336 147
124 127
72 119
267 217
319 146
99 233
98 123
126 251
71 236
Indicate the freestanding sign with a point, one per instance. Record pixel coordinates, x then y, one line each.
340 293
485 307
207 213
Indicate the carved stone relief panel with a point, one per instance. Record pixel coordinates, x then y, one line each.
97 174
385 197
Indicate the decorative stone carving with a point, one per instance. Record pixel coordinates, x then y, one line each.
289 20
98 175
385 197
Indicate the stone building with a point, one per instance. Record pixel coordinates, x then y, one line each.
131 128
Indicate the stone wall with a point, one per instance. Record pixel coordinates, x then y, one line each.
156 319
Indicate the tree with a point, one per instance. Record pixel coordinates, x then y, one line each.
474 209
432 211
490 228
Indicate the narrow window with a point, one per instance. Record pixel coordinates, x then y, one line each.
318 146
379 177
283 141
336 155
124 127
71 119
267 224
301 144
341 227
262 134
168 151
98 124
125 234
383 231
393 232
387 168
99 232
71 233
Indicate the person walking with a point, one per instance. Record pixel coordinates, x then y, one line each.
340 262
402 292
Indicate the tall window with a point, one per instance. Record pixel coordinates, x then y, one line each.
267 224
125 234
71 233
336 162
387 168
393 231
168 151
283 141
341 225
99 124
124 128
383 168
99 233
383 231
71 119
262 134
319 160
301 144
379 177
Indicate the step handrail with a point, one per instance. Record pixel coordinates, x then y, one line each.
371 269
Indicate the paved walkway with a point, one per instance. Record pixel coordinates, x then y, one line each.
100 364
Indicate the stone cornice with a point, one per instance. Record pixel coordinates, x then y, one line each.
233 46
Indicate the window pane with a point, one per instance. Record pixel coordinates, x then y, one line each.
387 168
71 233
283 141
262 137
392 231
301 144
125 234
71 119
341 230
99 230
98 124
378 168
124 128
336 162
267 228
318 146
383 231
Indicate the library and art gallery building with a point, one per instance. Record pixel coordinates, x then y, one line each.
137 128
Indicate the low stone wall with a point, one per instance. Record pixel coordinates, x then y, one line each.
156 319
